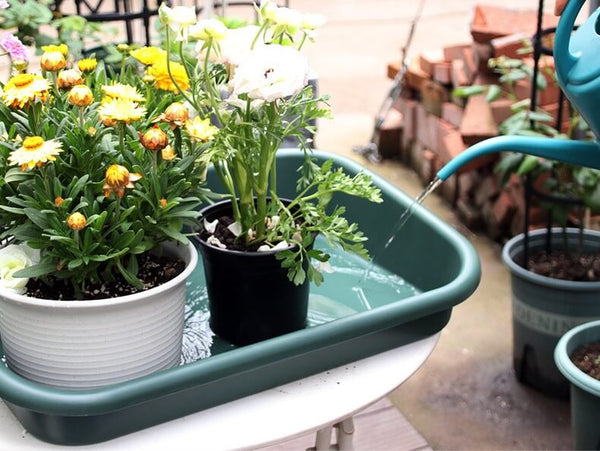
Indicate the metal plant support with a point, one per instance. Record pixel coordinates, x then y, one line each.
530 192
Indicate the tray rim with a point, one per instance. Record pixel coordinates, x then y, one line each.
37 397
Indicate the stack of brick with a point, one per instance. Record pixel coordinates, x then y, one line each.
436 126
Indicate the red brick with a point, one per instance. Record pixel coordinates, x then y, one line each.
493 229
451 145
434 95
407 108
452 113
454 52
393 69
442 72
478 123
458 74
487 190
415 77
468 214
501 109
470 66
481 54
467 183
511 46
390 134
441 129
428 60
423 128
490 22
503 209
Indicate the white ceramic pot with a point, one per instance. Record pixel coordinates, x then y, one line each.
90 344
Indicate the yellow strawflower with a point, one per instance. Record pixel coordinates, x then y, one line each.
162 80
122 91
201 130
62 48
53 61
22 89
69 78
149 55
80 95
87 65
120 110
35 152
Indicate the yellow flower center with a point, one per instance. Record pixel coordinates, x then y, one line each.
76 221
33 143
22 80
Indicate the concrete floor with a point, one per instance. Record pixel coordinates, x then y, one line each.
466 395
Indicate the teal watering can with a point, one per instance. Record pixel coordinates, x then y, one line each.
577 62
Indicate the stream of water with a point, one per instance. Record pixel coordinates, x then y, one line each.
404 217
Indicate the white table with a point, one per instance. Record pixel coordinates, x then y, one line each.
281 413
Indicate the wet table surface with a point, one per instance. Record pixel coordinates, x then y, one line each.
265 418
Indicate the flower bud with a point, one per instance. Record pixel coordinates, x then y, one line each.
58 201
69 78
154 138
53 61
76 221
123 48
80 96
177 113
87 65
163 202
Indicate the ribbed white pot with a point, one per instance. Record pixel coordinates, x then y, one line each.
91 344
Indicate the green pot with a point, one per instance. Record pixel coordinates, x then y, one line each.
544 309
585 390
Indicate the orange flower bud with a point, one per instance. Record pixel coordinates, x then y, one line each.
76 221
80 96
177 113
58 201
154 138
69 78
53 61
163 202
117 179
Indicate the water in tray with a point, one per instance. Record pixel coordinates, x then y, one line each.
345 291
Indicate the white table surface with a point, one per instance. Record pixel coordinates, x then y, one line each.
262 419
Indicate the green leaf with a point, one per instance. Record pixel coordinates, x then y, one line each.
466 91
493 93
41 269
528 164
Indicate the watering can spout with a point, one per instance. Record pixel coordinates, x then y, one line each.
581 153
564 59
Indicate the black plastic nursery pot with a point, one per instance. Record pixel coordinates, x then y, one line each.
584 389
545 308
439 265
250 297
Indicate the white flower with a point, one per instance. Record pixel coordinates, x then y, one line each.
287 17
13 258
233 47
209 28
267 9
270 73
312 21
179 19
4 4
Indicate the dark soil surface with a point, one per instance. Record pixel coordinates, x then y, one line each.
560 265
153 271
587 359
224 235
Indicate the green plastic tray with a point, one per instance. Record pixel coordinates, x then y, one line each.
428 254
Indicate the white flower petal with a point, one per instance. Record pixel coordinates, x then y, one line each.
235 228
264 248
281 246
210 227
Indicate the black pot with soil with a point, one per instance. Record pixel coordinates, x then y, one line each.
250 296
